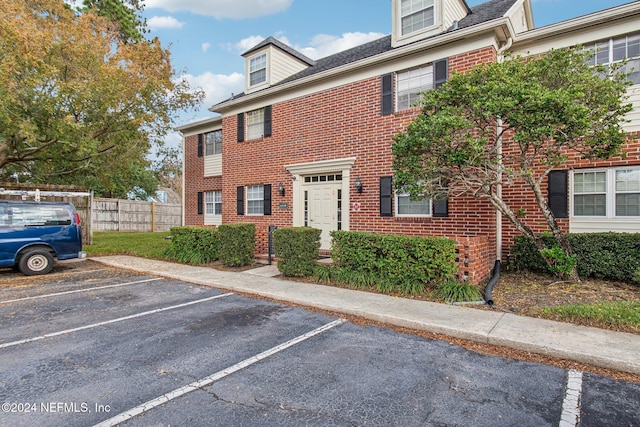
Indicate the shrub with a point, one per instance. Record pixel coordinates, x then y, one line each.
237 244
394 263
298 250
454 291
323 274
193 245
611 256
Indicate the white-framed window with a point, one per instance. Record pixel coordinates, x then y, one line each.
413 208
213 143
255 124
606 193
618 49
411 83
416 15
258 69
255 200
213 202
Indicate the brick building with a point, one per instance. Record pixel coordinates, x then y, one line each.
308 143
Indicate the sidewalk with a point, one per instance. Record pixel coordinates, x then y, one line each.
597 347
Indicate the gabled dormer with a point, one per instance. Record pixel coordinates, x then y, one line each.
415 20
270 62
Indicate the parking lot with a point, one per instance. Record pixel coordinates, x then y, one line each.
90 344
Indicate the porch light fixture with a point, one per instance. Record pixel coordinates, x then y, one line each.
359 185
281 189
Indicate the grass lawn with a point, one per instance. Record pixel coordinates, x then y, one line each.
146 245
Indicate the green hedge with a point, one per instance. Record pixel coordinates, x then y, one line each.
611 256
237 244
298 250
193 245
395 263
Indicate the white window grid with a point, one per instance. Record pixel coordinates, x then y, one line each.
213 143
416 15
405 207
258 69
213 202
618 49
255 200
255 124
411 83
606 193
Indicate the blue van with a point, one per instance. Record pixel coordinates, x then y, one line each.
32 234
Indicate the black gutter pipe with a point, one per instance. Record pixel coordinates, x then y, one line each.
492 282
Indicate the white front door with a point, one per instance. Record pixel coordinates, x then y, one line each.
323 203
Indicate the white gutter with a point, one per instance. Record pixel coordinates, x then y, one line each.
597 18
500 58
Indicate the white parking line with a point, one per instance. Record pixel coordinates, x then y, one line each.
107 322
127 415
571 405
78 290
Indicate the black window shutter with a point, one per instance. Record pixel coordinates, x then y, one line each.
386 83
440 208
267 120
558 194
240 200
200 195
240 127
200 144
267 199
440 72
386 193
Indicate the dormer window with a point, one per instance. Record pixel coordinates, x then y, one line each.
416 15
258 69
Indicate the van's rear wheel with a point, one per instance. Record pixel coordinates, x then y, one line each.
37 261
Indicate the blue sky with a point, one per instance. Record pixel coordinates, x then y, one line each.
207 37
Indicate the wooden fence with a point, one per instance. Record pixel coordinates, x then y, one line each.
134 215
103 214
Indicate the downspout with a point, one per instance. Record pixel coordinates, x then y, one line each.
496 269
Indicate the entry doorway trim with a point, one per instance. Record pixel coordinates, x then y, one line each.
298 171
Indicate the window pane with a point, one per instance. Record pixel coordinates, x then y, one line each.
628 204
602 53
416 15
619 49
406 206
411 84
209 197
255 124
590 205
213 143
633 46
628 180
255 203
590 182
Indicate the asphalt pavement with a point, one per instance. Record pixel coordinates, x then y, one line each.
593 346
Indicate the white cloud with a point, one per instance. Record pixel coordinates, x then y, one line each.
320 46
217 87
205 46
323 45
157 22
220 9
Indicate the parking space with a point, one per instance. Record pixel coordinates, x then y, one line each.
90 344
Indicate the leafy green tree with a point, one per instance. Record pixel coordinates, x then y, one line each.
512 122
127 14
75 98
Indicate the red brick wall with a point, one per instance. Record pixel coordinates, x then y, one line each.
195 181
519 196
343 122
